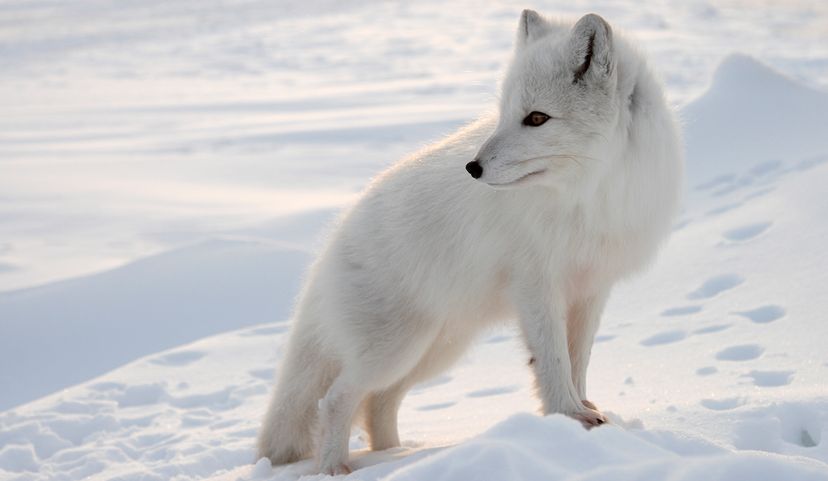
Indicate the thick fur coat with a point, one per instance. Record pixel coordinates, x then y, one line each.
573 186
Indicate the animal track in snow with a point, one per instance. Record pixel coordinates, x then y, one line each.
722 404
494 391
722 209
712 329
760 174
666 337
746 232
771 378
794 423
681 311
763 314
265 374
437 406
604 338
716 285
742 352
706 371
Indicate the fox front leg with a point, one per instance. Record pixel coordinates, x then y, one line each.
543 323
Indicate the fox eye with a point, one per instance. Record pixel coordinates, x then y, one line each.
535 119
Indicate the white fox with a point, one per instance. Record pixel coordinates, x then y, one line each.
573 186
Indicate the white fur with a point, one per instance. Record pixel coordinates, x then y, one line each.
429 256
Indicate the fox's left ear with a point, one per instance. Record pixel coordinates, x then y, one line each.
532 26
590 49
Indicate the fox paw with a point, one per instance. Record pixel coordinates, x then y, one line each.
591 416
336 469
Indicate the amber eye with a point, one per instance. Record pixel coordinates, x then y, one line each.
535 119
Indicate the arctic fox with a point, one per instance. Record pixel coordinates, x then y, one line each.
531 214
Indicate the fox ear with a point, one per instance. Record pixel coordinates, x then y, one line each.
590 49
532 26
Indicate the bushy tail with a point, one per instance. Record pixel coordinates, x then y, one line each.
287 433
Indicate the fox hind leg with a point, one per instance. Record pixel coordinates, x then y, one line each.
381 416
336 414
288 429
381 407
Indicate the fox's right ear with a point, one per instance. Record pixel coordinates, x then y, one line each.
590 49
532 27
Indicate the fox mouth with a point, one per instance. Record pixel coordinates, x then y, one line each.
520 180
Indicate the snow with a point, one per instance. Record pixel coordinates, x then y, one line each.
719 139
170 168
519 449
94 324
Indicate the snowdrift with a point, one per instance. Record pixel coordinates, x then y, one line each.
751 116
68 332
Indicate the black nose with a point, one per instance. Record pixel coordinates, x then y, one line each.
474 169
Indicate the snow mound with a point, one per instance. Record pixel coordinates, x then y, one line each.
752 114
68 332
527 447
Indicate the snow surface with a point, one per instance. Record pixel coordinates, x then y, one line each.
97 323
204 148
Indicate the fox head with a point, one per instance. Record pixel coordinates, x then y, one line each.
558 106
